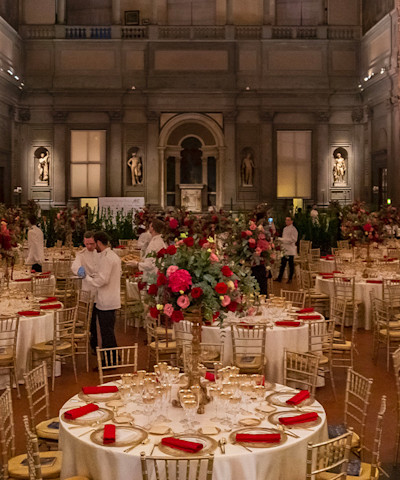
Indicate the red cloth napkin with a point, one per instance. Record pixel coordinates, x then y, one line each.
337 271
121 247
330 257
262 438
190 447
101 389
374 281
299 397
80 411
210 377
22 280
29 313
304 418
287 323
45 273
327 276
306 310
308 317
51 307
109 434
394 280
48 300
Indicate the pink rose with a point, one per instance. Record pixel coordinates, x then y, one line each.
249 233
258 251
263 245
179 280
226 301
183 301
172 269
168 309
261 236
236 283
253 226
214 258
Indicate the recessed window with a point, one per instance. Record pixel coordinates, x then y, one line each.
88 163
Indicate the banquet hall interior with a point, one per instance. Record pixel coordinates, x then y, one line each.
199 239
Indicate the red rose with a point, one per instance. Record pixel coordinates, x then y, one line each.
368 227
177 316
153 312
214 219
215 316
202 241
232 307
171 250
173 224
142 285
243 234
189 241
153 289
252 243
196 292
226 271
161 279
221 288
161 253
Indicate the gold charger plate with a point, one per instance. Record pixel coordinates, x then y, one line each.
99 397
209 445
101 415
125 436
163 430
274 419
258 431
279 399
217 430
249 421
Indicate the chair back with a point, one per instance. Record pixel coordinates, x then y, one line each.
296 298
344 287
64 325
325 456
248 344
356 403
124 359
320 337
343 244
396 368
8 335
304 248
183 336
7 431
391 293
381 314
210 353
301 370
375 463
85 308
338 315
43 286
306 280
37 390
189 468
62 268
32 452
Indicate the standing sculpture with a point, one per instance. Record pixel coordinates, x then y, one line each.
339 168
136 165
43 165
247 167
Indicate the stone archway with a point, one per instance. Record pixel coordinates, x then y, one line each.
185 138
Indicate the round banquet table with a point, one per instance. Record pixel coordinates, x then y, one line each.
326 266
362 292
101 462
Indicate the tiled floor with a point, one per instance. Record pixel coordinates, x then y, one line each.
383 385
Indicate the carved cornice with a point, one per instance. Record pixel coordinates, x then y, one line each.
323 116
152 116
116 115
357 115
24 114
266 116
60 116
230 117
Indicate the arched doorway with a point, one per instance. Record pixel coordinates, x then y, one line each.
191 150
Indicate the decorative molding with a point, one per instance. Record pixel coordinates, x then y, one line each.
266 116
323 116
12 111
230 117
116 115
24 114
60 116
357 115
152 116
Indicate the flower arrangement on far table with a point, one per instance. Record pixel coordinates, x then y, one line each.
360 226
6 249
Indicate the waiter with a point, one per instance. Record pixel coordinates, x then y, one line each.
288 240
86 263
107 282
35 244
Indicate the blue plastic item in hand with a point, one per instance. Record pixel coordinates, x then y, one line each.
81 272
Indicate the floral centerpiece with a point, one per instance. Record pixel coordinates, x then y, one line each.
360 226
6 249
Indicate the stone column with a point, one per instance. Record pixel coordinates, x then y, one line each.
268 181
229 12
60 195
322 181
61 8
116 12
269 12
115 158
161 176
393 151
155 164
226 164
361 166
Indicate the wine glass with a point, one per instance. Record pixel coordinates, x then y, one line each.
214 393
148 402
190 406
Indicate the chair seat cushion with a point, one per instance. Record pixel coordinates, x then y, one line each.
323 360
341 346
365 473
44 430
48 346
248 361
6 356
17 470
392 333
318 295
163 346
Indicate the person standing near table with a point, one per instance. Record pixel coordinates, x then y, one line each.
107 281
288 240
35 244
86 264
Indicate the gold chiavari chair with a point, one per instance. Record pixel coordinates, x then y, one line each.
396 368
7 431
184 468
67 292
117 359
81 340
296 298
319 301
304 248
300 370
343 350
391 293
62 345
210 353
159 346
37 390
248 345
183 336
384 332
320 340
8 347
329 455
344 289
132 305
43 286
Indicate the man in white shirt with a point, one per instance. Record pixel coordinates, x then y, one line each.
86 263
35 244
288 240
148 265
107 281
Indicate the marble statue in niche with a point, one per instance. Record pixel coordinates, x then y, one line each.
339 166
247 167
135 164
42 160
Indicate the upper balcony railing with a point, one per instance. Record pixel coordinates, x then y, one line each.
182 33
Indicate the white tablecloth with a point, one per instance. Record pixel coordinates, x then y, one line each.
284 462
362 292
31 330
326 266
